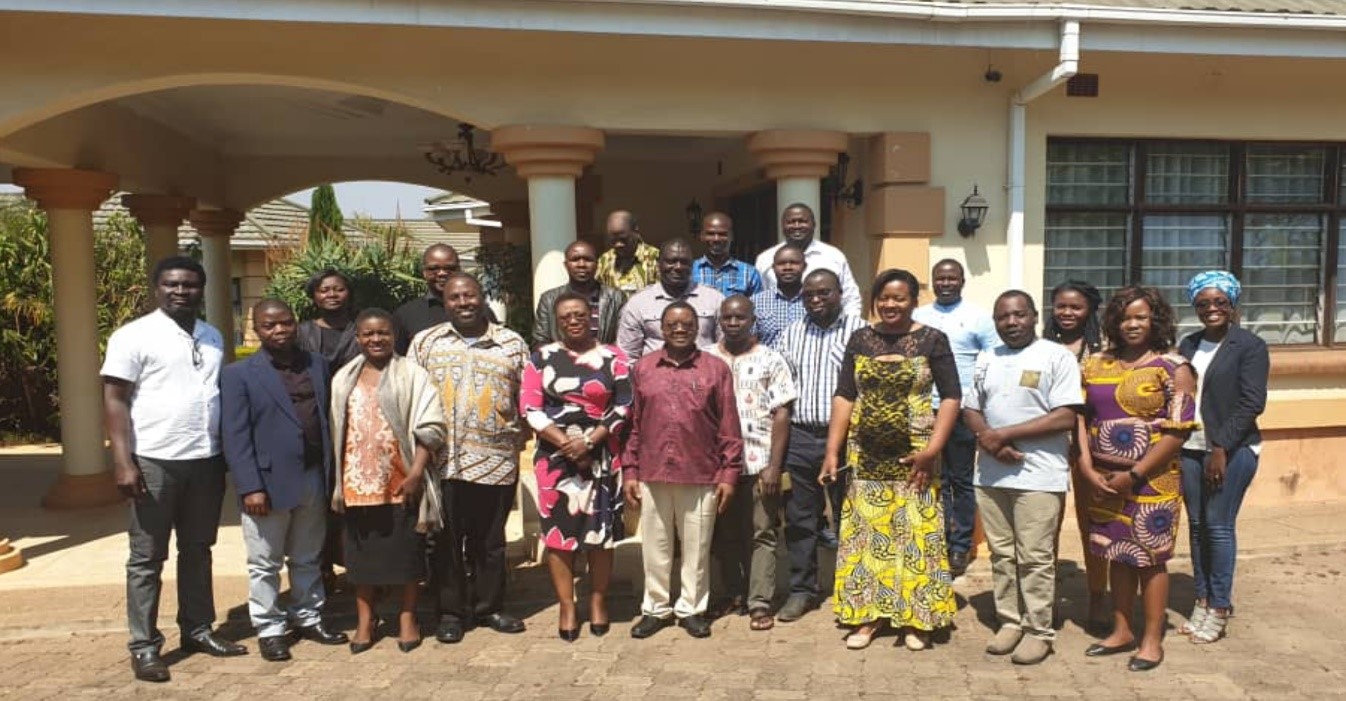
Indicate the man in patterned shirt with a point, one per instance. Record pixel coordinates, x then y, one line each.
476 365
629 264
778 307
717 268
746 535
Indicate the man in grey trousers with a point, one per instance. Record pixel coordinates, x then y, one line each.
161 399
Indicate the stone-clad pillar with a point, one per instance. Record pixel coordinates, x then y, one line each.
160 216
69 198
551 159
216 226
798 160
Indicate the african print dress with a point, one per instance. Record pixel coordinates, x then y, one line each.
580 508
892 562
1129 411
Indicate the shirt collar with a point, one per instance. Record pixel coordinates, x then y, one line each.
167 321
300 360
664 359
705 262
947 308
487 335
661 293
836 324
781 295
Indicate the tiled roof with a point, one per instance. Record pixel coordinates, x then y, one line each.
1295 7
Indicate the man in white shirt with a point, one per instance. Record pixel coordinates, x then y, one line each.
970 332
161 399
797 225
1022 405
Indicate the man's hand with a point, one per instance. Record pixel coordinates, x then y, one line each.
992 441
768 482
1009 454
256 504
631 489
724 492
130 480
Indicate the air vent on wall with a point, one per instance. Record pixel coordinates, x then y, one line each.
1082 85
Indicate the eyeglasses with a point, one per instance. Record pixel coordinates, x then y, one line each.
1215 303
197 359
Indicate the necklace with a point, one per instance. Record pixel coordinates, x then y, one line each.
1137 362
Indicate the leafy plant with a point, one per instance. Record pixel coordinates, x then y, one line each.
383 270
29 405
506 273
324 217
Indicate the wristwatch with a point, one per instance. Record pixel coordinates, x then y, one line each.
1135 476
588 442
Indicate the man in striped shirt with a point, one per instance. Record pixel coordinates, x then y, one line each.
717 268
814 347
778 307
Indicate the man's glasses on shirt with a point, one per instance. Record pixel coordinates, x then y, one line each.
197 359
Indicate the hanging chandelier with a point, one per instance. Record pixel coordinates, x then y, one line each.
463 156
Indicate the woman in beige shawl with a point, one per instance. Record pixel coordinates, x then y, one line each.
387 421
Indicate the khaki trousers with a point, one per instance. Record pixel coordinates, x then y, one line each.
744 548
670 513
1021 534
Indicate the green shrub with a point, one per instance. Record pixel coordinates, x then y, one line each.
28 400
384 271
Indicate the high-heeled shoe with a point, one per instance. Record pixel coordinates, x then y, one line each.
599 630
357 648
570 635
408 645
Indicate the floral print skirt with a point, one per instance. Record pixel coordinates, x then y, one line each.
1139 529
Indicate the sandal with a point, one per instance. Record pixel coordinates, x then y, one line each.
861 638
761 619
1212 628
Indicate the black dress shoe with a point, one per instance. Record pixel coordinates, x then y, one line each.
213 645
1101 650
957 563
696 626
1136 664
148 666
274 648
408 645
357 648
502 623
649 625
569 636
450 630
318 633
599 630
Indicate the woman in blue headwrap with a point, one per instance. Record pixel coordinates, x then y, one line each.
1220 459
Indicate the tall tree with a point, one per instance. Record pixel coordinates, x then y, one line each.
324 216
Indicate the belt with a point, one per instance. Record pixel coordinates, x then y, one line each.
820 431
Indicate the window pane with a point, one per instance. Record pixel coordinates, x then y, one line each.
1089 246
1282 256
1177 247
1083 173
1340 336
1285 174
1187 173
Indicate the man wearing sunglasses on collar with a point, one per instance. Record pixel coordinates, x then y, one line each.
161 401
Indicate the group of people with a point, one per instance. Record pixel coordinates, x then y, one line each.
730 404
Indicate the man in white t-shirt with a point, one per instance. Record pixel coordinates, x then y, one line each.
1021 406
161 399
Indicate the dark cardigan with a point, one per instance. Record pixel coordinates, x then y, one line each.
1233 388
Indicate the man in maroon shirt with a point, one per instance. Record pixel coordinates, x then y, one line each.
681 462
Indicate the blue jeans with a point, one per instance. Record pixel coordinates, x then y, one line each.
1211 511
960 501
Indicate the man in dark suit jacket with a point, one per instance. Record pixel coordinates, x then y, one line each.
274 427
581 260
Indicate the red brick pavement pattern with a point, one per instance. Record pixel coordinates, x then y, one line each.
1287 642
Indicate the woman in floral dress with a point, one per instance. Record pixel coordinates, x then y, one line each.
892 563
576 394
1140 409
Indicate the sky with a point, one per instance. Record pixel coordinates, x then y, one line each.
376 199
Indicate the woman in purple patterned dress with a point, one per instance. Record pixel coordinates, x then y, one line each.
1140 410
575 394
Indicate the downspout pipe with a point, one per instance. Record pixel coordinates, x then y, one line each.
1068 65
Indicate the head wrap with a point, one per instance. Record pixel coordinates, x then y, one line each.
1221 280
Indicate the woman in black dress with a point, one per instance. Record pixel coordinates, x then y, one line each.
332 333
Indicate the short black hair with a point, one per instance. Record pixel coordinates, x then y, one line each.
577 243
1032 306
267 303
892 275
752 308
676 242
949 261
176 263
674 306
437 247
1093 334
314 282
798 205
570 296
789 246
836 279
460 275
375 313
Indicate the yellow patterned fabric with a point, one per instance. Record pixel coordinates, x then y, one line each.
643 273
892 562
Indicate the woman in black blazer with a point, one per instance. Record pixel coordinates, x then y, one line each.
1220 459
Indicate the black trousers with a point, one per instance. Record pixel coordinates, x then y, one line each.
804 506
468 561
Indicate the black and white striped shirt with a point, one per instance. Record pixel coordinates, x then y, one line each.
815 355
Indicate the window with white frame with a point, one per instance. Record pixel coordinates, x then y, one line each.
1156 212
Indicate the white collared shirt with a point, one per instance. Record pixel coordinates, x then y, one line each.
175 378
818 255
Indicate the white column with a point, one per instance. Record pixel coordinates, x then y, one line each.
160 216
798 160
216 226
69 198
551 158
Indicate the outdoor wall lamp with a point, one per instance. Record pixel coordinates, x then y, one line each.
974 213
693 212
852 195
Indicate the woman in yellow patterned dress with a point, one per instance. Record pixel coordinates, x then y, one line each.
1140 410
892 562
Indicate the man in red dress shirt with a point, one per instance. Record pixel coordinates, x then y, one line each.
682 460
